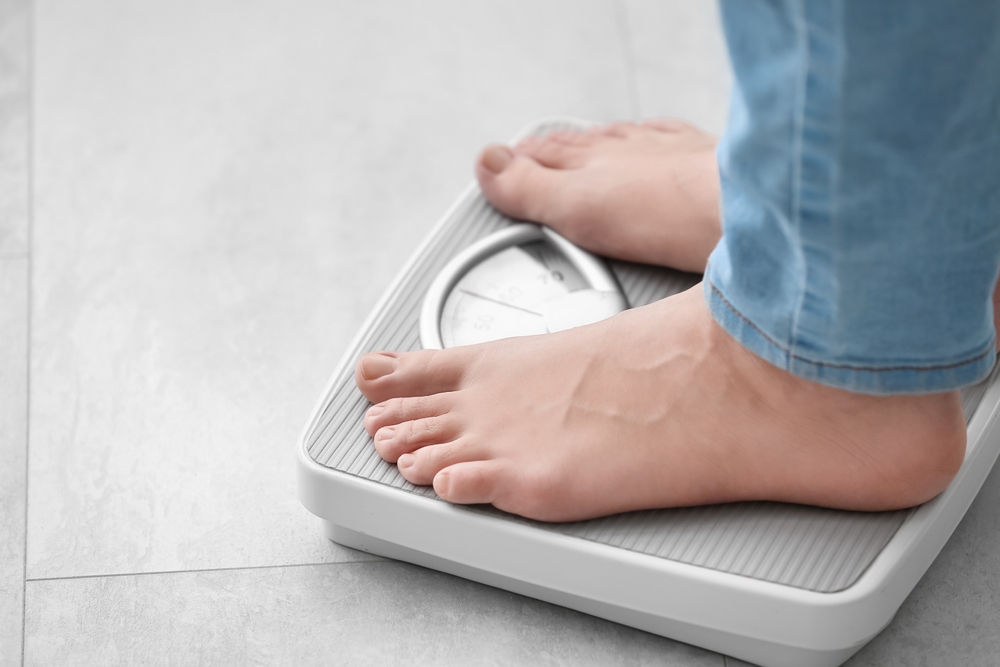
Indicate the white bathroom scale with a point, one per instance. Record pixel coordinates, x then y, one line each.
775 584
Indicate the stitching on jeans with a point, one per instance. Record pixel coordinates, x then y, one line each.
798 125
838 146
869 369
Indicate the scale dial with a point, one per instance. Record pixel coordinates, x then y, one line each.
521 281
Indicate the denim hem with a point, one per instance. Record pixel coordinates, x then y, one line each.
892 378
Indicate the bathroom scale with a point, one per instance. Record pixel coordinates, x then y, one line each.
775 584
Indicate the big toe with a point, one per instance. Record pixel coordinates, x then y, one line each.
520 186
384 375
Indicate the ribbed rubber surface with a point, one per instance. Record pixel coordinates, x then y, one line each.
805 547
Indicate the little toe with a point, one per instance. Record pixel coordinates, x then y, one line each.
423 464
676 127
665 124
384 375
470 482
408 408
391 442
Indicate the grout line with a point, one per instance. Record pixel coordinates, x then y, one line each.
30 214
205 570
625 34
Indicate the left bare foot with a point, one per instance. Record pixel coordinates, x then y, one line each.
644 192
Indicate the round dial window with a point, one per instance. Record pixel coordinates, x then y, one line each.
521 281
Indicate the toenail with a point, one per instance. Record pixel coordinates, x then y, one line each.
375 410
405 461
442 481
497 157
374 366
385 433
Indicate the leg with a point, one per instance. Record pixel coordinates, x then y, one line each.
667 405
861 199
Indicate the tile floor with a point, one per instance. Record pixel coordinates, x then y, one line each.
199 202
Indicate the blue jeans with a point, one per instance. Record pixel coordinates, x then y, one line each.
861 190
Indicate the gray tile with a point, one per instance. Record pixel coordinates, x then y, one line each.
952 616
358 614
14 102
682 69
13 318
222 192
13 447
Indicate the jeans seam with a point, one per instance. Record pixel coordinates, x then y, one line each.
838 135
867 369
798 124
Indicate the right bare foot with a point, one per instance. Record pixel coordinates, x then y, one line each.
655 407
642 192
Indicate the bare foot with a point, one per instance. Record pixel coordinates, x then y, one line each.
647 193
655 407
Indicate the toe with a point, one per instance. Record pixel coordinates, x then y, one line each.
495 158
523 188
526 144
408 408
560 150
469 482
666 124
391 442
565 136
621 130
384 375
422 465
679 128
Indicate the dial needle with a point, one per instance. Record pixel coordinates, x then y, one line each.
497 301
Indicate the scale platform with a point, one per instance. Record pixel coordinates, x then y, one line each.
775 584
